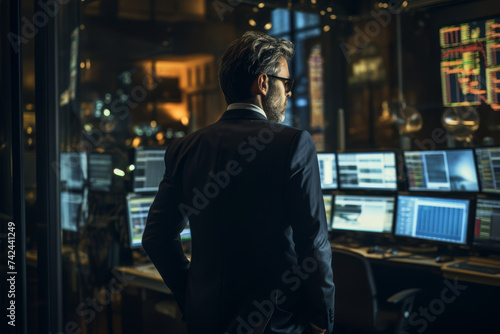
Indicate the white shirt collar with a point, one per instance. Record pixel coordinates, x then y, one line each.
247 106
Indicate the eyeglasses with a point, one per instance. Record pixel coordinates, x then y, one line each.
287 81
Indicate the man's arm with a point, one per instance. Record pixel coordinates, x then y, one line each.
161 239
304 201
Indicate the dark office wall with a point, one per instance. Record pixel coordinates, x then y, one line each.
421 68
368 50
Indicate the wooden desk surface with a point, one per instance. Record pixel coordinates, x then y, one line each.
146 276
32 256
430 263
474 276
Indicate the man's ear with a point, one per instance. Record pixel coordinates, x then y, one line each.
261 85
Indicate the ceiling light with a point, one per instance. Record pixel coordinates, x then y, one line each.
118 172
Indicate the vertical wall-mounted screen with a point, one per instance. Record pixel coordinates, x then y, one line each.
470 63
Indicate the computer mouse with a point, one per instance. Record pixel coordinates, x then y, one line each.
444 258
392 251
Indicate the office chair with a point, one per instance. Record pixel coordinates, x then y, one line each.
357 308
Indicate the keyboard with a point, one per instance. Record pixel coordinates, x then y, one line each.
475 267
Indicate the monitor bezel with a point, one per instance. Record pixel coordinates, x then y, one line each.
439 191
410 239
385 190
364 233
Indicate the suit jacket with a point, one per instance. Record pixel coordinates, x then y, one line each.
261 257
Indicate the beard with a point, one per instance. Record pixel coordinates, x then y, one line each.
273 107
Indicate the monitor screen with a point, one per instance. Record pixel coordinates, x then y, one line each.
186 233
488 165
74 210
73 170
138 210
100 171
371 170
327 200
432 219
327 170
487 223
449 170
363 213
470 56
149 169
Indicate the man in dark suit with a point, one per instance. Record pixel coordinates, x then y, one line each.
250 188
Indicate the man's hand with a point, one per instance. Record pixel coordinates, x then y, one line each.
313 329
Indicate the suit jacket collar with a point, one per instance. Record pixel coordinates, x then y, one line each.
242 114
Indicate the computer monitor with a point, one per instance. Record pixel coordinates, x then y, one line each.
138 210
74 210
327 170
362 213
327 200
446 170
369 170
100 171
149 169
73 170
487 224
433 219
470 56
488 165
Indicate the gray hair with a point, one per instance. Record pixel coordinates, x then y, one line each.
246 58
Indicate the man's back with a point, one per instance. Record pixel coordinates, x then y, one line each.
234 182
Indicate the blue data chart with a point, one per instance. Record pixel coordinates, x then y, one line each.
433 219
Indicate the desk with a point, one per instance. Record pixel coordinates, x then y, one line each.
474 276
145 276
429 263
147 303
